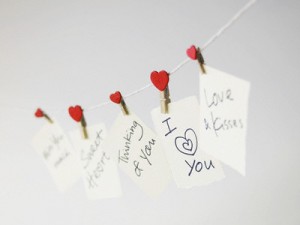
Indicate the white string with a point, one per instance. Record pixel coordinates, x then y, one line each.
229 23
181 64
184 62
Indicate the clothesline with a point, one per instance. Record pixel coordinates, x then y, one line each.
176 68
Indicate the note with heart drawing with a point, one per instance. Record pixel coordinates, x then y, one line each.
99 171
224 105
187 144
52 144
179 132
139 153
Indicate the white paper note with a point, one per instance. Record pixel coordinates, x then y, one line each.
100 174
179 131
224 105
53 146
139 153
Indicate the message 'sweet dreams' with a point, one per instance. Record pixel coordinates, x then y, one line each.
94 165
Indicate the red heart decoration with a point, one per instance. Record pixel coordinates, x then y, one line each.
76 113
192 52
160 79
116 97
39 113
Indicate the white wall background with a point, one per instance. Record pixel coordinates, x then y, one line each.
63 52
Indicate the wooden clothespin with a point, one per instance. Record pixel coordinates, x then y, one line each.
161 80
40 113
76 114
195 54
118 99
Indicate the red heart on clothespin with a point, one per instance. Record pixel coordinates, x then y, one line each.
160 79
39 113
76 113
116 97
192 52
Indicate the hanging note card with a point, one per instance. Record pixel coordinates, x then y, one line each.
139 153
53 146
100 174
179 131
223 115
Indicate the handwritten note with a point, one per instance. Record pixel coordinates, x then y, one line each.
54 147
224 103
99 171
139 153
179 131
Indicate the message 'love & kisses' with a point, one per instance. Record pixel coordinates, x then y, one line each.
216 123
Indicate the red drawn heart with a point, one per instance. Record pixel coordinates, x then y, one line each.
160 79
192 52
76 113
116 97
39 113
